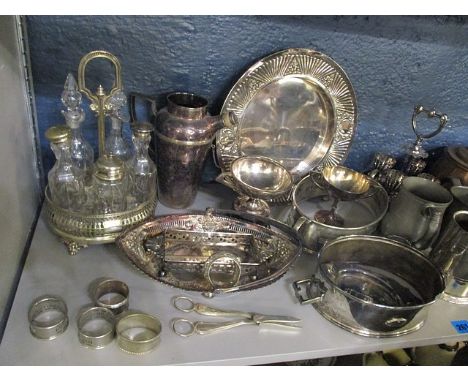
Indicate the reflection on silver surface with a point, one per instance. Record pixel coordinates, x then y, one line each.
289 120
257 179
346 182
261 177
358 288
296 106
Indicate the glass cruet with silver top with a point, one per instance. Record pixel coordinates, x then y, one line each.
110 185
142 168
66 181
82 153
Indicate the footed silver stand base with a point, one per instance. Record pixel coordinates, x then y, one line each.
252 206
73 247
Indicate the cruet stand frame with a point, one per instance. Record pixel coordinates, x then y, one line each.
76 229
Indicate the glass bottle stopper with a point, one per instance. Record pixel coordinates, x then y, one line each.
71 99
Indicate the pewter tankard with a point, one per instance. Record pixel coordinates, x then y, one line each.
450 254
184 133
416 213
460 203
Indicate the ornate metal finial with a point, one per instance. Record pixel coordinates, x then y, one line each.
416 150
116 106
414 162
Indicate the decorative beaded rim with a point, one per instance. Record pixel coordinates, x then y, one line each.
316 67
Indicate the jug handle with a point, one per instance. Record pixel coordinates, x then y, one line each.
453 181
215 157
229 119
132 105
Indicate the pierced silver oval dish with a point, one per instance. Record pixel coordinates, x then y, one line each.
296 106
212 252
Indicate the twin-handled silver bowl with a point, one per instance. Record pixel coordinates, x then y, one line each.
359 215
372 286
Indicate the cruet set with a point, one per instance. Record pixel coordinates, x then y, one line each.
91 201
121 177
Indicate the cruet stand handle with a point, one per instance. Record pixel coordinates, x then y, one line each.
100 98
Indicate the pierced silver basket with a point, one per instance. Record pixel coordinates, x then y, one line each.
213 252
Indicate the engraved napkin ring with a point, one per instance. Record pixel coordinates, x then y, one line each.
138 333
55 320
96 327
115 287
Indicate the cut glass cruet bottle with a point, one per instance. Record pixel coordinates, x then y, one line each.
142 168
82 153
110 185
115 144
66 181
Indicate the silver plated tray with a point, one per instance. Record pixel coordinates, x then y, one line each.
212 252
296 106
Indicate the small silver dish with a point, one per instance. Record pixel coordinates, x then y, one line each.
341 184
257 179
361 216
261 177
345 181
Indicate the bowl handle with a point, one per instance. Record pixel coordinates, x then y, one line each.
312 297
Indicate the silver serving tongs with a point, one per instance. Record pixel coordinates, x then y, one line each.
201 327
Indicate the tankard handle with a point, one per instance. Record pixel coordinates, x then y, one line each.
433 220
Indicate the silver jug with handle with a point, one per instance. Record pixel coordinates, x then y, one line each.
450 254
416 213
184 134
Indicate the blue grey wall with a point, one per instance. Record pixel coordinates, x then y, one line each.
393 62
